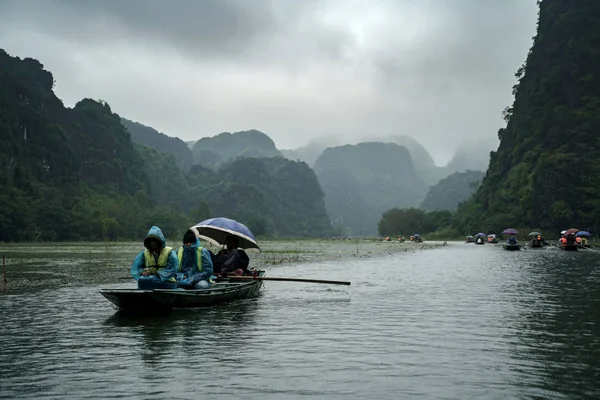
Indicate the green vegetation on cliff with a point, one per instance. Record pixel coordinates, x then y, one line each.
275 196
547 167
362 181
452 190
160 142
75 174
212 152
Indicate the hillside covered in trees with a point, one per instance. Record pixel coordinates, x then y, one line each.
212 152
76 174
160 142
452 190
362 181
546 171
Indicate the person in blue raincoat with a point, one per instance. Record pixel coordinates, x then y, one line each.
511 240
156 265
195 264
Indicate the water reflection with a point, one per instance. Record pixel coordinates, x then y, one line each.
462 322
557 328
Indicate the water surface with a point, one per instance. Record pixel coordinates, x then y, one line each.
457 322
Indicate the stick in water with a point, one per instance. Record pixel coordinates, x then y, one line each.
4 267
265 278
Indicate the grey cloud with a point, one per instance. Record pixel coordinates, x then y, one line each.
438 70
200 29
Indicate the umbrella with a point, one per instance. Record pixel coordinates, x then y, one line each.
480 234
571 231
416 234
492 235
469 236
510 231
216 230
535 234
563 232
583 233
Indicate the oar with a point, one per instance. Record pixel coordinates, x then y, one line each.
268 278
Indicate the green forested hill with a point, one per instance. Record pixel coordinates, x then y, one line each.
212 152
452 190
274 195
75 174
362 181
160 142
547 168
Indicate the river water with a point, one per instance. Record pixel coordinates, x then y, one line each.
456 322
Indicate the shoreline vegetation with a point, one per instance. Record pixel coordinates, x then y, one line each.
38 266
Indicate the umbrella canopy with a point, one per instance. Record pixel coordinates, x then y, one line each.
535 234
492 235
571 231
563 232
584 233
510 231
480 234
416 234
216 230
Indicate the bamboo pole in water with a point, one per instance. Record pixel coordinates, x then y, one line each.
268 278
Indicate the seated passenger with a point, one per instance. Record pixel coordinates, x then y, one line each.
195 264
154 267
511 240
231 259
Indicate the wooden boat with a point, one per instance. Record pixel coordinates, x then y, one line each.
161 300
569 247
511 246
535 244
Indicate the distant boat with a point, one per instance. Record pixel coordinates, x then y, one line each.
511 246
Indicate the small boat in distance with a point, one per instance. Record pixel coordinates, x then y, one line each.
508 246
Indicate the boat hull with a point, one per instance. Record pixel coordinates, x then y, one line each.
570 247
511 247
163 300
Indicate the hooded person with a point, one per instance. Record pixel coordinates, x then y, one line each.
232 259
155 266
195 266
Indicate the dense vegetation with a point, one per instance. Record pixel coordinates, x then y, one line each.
452 190
212 152
546 171
405 222
364 180
275 196
160 142
73 174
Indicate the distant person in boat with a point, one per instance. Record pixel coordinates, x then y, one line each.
511 240
231 260
195 264
578 241
155 266
563 241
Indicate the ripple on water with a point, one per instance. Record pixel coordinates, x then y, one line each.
451 323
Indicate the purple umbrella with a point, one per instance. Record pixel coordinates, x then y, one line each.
510 231
480 234
216 231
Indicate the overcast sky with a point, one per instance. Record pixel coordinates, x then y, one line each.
441 71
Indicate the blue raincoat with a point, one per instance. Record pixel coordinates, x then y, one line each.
188 273
512 240
165 276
